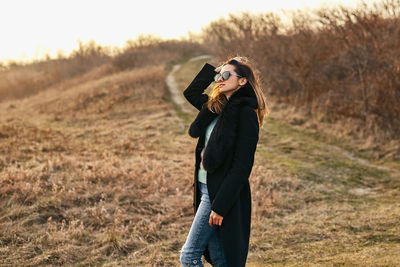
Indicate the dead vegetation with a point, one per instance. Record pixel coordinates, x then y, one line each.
20 80
317 200
338 65
86 175
96 168
102 174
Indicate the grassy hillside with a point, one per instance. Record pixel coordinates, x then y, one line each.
91 174
317 200
99 172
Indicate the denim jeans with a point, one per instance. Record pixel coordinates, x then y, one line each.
201 234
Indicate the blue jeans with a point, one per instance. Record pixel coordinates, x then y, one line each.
201 234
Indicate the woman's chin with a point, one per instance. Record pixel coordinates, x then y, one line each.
222 90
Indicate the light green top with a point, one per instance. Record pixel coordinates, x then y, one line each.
202 174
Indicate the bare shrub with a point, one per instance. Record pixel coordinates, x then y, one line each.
340 62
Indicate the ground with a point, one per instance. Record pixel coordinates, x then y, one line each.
98 171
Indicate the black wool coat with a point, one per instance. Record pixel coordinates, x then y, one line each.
228 160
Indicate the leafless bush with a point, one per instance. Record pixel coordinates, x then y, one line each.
341 62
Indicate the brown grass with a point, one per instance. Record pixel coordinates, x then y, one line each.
21 80
318 200
86 174
98 171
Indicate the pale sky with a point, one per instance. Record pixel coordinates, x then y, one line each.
31 28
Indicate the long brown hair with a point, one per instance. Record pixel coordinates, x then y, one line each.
243 68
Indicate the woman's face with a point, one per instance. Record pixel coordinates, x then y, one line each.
233 83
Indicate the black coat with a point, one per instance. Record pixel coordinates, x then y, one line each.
228 160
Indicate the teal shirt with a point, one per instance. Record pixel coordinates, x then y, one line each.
202 174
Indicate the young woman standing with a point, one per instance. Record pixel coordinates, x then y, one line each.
227 126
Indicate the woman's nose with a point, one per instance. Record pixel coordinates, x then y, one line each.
220 79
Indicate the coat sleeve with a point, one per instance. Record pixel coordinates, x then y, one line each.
194 92
242 164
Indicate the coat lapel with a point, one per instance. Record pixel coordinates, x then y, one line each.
224 133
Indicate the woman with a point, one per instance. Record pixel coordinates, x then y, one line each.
227 126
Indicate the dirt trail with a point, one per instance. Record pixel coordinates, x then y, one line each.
361 161
176 94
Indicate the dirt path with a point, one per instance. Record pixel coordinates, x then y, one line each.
176 94
361 161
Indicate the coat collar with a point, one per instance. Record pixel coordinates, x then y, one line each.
245 95
222 137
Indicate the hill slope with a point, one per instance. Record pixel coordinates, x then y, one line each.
318 200
91 174
100 172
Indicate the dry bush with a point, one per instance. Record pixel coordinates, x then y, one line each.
341 63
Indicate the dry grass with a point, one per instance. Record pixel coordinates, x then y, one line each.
18 80
100 173
21 80
313 204
92 175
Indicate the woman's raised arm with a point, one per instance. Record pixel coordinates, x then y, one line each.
194 92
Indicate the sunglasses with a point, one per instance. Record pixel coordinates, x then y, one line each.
225 76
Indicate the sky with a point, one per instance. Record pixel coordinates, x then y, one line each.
31 29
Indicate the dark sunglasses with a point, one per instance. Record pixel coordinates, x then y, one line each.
225 76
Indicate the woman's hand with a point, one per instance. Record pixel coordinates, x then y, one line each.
215 219
239 59
218 69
